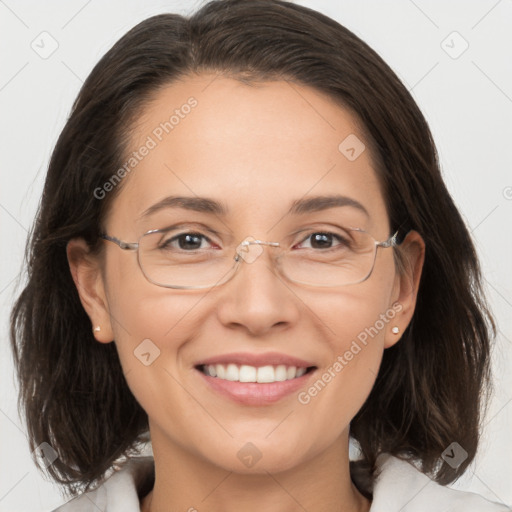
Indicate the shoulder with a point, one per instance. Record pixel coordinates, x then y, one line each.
399 486
120 492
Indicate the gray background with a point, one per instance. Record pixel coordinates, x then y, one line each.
466 97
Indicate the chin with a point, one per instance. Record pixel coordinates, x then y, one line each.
258 456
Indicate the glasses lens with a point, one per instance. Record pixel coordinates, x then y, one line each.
350 260
177 260
181 259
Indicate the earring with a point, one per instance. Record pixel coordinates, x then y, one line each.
97 329
395 330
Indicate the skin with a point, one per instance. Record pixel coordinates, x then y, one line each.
256 149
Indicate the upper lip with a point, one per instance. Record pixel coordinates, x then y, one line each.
266 359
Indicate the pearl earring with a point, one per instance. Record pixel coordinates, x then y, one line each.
97 328
395 330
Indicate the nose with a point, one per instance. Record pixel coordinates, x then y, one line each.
257 298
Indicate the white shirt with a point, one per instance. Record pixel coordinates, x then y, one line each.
399 487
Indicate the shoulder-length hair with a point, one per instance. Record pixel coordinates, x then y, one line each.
432 385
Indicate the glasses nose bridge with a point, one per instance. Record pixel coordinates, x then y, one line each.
259 242
243 252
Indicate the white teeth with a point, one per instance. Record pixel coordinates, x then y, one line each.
219 369
232 372
266 374
291 372
246 373
300 372
280 373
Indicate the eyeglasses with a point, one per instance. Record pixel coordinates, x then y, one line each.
175 258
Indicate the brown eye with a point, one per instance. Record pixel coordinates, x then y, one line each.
185 242
324 240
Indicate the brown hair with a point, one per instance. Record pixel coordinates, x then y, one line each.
430 388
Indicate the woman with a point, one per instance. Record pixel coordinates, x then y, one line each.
246 255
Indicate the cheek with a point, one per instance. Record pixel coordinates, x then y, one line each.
357 318
158 321
150 344
142 311
355 326
151 324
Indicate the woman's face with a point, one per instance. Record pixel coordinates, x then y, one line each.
255 150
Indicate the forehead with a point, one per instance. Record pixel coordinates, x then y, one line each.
256 148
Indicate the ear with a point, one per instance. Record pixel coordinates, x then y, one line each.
86 272
407 282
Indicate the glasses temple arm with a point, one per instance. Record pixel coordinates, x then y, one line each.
127 246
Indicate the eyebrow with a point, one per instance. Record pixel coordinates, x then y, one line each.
298 207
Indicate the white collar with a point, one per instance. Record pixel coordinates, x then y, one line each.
399 487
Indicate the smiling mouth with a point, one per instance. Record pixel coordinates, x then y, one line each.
246 373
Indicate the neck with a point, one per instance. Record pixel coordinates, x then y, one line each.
185 481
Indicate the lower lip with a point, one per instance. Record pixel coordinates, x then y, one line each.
254 393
